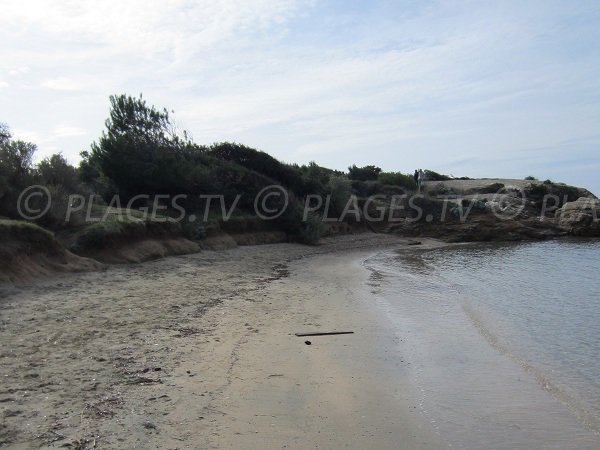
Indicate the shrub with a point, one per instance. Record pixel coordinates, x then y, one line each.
260 162
565 193
536 191
430 175
56 215
366 173
303 231
113 231
366 188
25 231
397 179
440 189
491 188
340 189
316 177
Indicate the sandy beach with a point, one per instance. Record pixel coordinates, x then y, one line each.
199 351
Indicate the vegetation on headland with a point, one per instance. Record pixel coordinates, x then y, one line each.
142 158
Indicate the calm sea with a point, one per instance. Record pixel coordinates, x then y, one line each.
502 342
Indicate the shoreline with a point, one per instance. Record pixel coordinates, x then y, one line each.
199 351
336 392
475 390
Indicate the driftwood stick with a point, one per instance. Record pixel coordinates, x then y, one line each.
324 333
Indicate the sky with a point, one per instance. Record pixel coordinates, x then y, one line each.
478 88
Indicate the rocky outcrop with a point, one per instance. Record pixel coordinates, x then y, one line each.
536 211
580 218
482 228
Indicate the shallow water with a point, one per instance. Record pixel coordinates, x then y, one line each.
502 342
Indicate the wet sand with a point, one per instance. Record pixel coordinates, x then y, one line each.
199 351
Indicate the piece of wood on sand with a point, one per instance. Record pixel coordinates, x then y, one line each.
323 333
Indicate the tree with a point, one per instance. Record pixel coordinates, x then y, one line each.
5 133
56 171
260 162
16 158
141 151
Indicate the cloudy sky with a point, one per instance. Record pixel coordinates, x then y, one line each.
479 88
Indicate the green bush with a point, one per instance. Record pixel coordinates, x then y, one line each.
11 230
316 178
537 191
564 192
491 188
366 188
397 179
340 190
430 175
260 162
440 189
102 234
306 231
366 173
114 231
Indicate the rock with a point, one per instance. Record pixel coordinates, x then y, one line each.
580 218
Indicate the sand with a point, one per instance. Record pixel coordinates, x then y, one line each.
198 351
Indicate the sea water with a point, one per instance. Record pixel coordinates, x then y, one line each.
501 341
